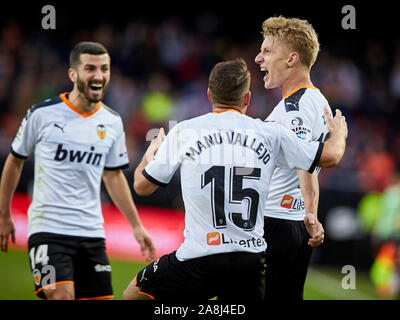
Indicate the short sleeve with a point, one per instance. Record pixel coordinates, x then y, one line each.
299 122
161 169
117 157
26 138
296 153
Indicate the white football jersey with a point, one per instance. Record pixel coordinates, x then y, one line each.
226 161
71 149
301 111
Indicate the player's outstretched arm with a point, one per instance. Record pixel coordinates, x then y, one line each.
335 146
9 181
118 189
143 186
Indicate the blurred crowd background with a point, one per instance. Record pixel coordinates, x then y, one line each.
159 75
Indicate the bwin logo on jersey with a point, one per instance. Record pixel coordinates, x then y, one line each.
78 156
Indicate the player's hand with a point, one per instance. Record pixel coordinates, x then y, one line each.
145 242
6 229
315 229
155 145
336 125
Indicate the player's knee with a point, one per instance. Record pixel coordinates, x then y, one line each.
126 295
130 293
133 293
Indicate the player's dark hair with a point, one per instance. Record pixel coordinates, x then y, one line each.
229 81
88 47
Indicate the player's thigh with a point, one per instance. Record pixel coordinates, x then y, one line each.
51 261
288 256
279 254
285 240
247 281
93 271
167 278
298 274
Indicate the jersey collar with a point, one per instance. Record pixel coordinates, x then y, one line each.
291 92
64 98
226 110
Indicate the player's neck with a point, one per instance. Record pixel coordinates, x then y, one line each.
218 108
296 81
79 101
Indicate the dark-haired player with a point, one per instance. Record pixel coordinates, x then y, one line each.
226 160
77 141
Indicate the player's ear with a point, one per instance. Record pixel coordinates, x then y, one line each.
72 75
247 98
209 94
292 60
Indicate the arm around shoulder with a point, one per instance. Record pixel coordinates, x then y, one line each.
143 184
335 146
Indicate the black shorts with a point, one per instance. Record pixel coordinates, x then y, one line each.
82 261
229 276
287 257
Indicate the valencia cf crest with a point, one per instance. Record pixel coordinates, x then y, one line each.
36 276
101 131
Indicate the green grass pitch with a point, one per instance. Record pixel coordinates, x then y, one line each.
16 282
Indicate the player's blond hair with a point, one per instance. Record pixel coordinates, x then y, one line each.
299 35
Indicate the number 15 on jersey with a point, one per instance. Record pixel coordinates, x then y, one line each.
236 195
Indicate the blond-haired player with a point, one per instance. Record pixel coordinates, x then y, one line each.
288 51
223 250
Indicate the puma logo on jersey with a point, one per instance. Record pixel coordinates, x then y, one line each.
292 106
143 277
78 156
213 238
59 127
287 201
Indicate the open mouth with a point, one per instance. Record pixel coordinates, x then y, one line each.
266 73
96 86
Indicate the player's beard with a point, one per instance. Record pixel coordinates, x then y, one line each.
84 89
